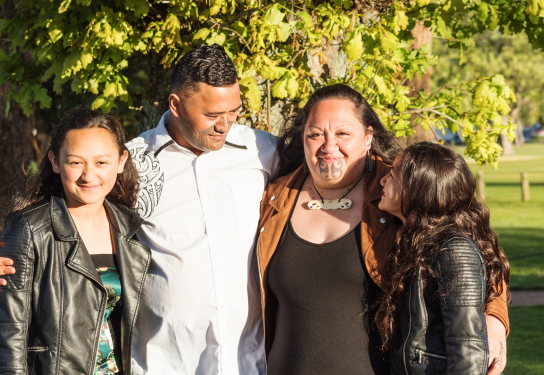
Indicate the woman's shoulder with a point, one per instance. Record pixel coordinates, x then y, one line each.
282 182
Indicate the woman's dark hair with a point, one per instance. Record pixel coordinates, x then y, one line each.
437 191
290 148
47 183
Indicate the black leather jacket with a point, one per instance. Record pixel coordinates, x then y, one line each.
52 309
442 324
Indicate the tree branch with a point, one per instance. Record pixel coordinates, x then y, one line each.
241 15
294 58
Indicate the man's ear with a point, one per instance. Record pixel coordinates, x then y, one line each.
54 161
173 104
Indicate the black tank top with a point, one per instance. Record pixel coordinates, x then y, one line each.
319 293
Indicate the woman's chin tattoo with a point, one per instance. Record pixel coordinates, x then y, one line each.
331 170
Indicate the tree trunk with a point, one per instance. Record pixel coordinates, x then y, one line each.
507 148
15 137
422 36
155 95
516 119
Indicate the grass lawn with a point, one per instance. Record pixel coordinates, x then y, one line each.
526 341
520 225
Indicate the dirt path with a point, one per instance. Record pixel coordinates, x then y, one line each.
527 297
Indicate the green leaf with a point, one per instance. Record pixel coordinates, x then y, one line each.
423 3
400 22
110 90
272 72
279 89
215 6
353 46
40 96
292 86
64 6
274 16
55 35
251 92
201 34
140 7
483 11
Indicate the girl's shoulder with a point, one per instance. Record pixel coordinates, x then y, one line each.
36 215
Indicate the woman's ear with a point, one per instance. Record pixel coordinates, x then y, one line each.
122 161
54 161
368 135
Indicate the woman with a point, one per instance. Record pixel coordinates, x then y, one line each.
433 314
72 304
324 243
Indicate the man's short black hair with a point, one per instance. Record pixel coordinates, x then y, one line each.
208 64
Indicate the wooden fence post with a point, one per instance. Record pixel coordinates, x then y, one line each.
525 187
481 186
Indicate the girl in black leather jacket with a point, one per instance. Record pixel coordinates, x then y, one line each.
72 305
447 260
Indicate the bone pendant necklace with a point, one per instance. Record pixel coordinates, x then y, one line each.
342 203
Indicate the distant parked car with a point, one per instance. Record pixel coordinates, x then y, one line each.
532 131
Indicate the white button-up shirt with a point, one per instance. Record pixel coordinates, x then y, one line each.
200 311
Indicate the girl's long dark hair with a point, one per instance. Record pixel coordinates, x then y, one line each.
47 183
438 200
290 149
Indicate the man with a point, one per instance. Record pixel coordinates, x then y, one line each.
202 178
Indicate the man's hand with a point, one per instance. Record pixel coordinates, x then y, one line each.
5 268
496 337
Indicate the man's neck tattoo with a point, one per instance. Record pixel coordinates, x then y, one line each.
332 170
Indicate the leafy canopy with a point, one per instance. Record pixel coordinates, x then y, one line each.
88 44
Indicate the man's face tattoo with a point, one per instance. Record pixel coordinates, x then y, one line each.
331 170
203 139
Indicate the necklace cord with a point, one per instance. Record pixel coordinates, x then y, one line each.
349 191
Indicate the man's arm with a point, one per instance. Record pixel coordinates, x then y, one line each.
5 267
497 331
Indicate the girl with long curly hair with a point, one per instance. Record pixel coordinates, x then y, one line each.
444 268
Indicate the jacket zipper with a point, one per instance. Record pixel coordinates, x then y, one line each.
99 328
420 353
261 287
409 327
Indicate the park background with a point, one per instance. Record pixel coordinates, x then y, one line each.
458 72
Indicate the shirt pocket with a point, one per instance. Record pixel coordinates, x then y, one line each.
247 201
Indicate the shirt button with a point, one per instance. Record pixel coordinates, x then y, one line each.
262 229
274 197
382 220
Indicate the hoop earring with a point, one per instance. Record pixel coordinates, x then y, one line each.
369 160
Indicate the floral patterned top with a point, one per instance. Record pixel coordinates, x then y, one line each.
106 360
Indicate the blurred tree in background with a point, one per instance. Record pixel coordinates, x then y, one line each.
116 55
509 55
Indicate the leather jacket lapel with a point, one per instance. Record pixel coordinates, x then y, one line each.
78 258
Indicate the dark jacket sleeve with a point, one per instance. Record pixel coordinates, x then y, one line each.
461 284
15 298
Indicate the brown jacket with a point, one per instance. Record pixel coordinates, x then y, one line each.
377 231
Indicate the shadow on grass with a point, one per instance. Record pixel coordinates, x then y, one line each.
525 341
524 248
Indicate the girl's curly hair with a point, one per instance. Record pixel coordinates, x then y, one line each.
437 200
